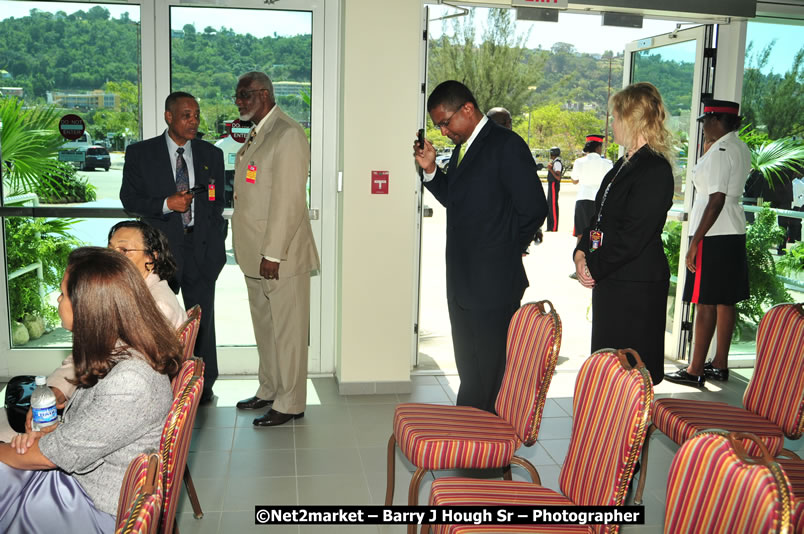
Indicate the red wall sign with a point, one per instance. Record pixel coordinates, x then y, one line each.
71 127
239 130
379 182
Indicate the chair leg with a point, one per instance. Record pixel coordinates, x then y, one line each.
534 475
643 472
198 513
389 488
507 472
413 493
786 453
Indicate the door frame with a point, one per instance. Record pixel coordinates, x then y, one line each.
702 86
155 79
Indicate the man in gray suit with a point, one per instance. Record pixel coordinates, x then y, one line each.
274 246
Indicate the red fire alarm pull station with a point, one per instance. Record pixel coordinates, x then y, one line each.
379 182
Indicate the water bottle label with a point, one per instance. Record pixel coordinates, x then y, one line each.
44 415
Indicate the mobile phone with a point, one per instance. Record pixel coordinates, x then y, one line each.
420 138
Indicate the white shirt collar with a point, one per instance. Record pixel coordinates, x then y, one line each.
260 124
172 146
478 127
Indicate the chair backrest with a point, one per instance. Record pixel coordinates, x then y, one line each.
140 496
182 378
534 339
611 411
175 443
188 332
714 486
776 390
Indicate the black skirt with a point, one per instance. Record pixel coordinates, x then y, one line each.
721 272
631 315
584 211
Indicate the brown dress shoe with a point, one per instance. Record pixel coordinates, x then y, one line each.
274 418
253 403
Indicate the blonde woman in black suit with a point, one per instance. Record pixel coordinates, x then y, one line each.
620 255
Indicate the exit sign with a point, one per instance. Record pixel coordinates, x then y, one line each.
555 4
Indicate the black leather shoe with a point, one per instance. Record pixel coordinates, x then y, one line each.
714 373
207 396
253 403
274 418
685 379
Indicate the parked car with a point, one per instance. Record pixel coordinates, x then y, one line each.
95 157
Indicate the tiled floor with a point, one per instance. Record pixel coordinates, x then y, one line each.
336 453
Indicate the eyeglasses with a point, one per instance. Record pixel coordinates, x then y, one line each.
245 95
445 123
125 251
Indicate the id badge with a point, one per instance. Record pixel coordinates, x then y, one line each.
211 192
595 239
251 174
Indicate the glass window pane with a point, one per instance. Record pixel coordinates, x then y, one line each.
209 52
70 58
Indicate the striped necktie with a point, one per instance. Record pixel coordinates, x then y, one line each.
183 183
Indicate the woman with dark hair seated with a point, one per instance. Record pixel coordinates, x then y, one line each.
146 247
124 352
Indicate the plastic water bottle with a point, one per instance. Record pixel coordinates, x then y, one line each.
43 405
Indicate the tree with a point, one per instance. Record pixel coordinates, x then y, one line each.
496 71
771 101
552 126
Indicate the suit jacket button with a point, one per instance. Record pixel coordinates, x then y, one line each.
235 196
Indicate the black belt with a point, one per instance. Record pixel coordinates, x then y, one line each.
189 229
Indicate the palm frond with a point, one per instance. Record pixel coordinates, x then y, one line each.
774 158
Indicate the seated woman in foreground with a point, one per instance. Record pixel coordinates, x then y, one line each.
124 352
146 247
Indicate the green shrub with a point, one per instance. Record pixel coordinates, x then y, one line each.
64 186
766 288
792 262
671 239
29 240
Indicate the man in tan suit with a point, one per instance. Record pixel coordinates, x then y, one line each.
274 246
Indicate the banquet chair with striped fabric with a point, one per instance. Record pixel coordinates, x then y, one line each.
140 496
188 332
191 367
435 437
611 407
773 402
794 469
175 443
714 486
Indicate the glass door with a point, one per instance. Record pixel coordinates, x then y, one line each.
116 84
209 48
678 64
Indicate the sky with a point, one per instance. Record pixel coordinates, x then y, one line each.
585 32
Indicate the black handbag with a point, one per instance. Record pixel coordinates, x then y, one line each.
18 400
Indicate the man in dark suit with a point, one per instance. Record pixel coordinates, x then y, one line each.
158 176
494 207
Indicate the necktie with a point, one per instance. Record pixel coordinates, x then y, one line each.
460 153
183 183
251 137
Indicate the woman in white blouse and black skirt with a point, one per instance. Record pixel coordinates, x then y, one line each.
717 265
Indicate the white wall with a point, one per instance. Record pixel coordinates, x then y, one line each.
377 233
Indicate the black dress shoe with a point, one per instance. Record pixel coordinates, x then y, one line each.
207 396
714 373
685 379
253 403
274 418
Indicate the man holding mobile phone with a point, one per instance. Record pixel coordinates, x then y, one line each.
169 181
494 207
